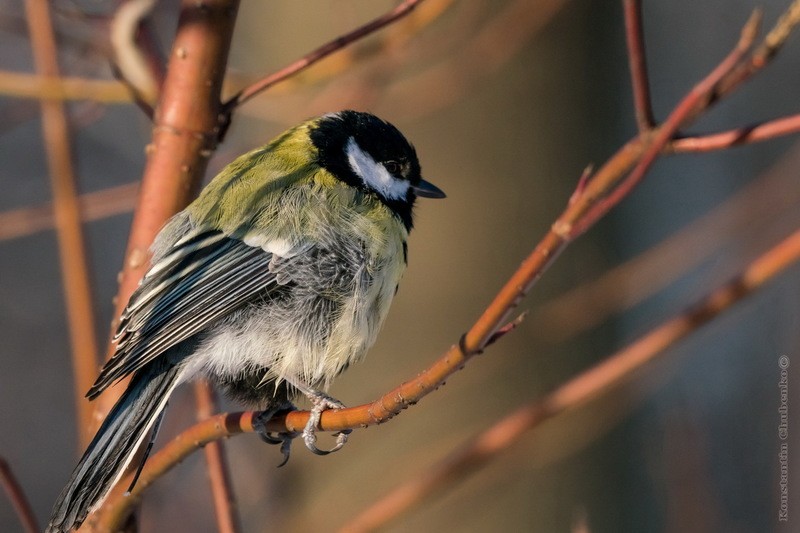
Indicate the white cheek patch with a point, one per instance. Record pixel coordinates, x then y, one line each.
373 174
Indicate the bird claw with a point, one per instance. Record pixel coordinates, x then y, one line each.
283 438
322 402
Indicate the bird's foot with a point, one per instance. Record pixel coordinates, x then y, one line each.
284 438
321 402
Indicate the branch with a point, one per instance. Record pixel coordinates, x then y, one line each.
218 472
603 193
18 499
638 64
24 85
409 393
765 204
738 136
582 389
576 392
92 206
135 68
119 504
323 51
184 136
72 256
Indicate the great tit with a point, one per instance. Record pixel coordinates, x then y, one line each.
271 283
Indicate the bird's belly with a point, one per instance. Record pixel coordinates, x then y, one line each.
304 336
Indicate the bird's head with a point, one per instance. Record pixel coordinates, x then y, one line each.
372 155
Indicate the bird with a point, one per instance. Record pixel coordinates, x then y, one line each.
273 281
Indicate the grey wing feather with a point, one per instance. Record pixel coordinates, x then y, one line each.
202 279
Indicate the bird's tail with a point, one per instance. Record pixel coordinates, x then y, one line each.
112 449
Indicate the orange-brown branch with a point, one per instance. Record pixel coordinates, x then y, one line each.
323 51
71 247
637 61
574 393
18 499
184 135
585 387
218 471
603 185
186 130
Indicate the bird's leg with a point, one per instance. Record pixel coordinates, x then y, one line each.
270 437
320 402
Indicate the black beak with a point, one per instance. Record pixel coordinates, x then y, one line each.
426 189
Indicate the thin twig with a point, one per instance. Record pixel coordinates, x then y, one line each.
93 206
323 51
505 330
580 390
74 268
599 198
218 471
17 497
769 47
24 85
737 136
637 61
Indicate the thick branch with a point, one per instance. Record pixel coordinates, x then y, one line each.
184 135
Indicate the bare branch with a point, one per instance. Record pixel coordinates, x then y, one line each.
323 51
478 451
759 208
96 205
582 389
184 135
74 268
771 45
601 195
218 472
18 499
638 64
23 85
745 135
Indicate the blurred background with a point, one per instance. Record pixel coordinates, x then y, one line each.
506 101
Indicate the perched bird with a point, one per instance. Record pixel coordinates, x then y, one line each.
272 282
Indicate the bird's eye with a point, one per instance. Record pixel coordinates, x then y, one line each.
392 166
